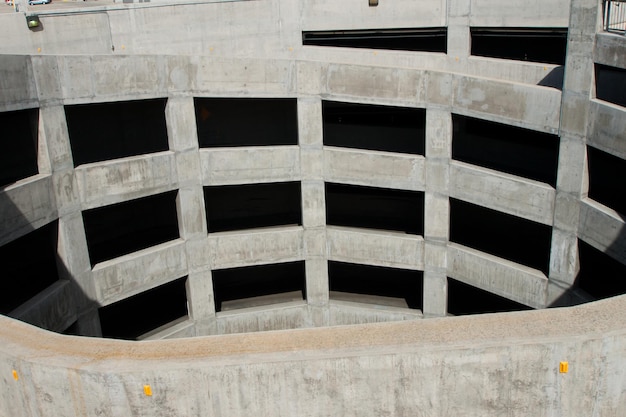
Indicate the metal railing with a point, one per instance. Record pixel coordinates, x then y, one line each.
614 15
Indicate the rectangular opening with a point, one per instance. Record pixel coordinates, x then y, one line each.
103 131
375 284
401 39
18 136
500 234
224 122
252 286
600 275
374 127
130 226
464 299
375 208
514 150
28 266
611 83
247 206
606 184
545 45
134 316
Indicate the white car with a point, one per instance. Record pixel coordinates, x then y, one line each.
30 2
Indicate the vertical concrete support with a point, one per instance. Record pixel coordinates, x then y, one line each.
183 140
459 41
313 207
436 210
572 182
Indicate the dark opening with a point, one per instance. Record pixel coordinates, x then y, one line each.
134 316
103 131
18 139
600 275
130 226
375 208
374 127
377 281
246 121
246 206
606 183
505 148
28 266
466 299
416 39
611 84
509 237
245 283
547 45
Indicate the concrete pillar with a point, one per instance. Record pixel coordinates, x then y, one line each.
313 207
436 210
183 140
459 41
572 181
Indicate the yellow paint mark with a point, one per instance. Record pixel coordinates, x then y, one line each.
147 389
15 375
290 49
38 49
123 46
563 367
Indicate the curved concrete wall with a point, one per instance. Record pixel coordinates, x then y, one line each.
254 49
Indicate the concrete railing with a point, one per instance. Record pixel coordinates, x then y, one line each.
558 362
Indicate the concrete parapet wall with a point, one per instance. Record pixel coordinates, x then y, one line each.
478 366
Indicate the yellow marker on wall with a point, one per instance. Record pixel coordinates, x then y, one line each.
147 389
563 367
15 375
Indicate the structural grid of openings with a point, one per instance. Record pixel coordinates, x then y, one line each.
248 206
514 150
140 315
258 285
18 139
224 122
600 275
130 226
103 131
611 83
500 234
410 39
28 266
375 208
466 299
605 185
376 285
374 127
544 45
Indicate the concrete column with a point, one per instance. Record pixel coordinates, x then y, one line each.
459 41
183 140
313 207
572 181
436 210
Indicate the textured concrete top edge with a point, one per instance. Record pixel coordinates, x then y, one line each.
588 321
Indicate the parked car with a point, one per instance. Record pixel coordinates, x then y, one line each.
30 2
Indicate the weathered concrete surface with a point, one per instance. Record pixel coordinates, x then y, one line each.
479 366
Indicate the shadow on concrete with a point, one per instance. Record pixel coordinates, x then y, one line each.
554 78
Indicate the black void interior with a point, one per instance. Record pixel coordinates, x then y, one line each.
600 275
466 299
130 226
28 266
500 234
611 84
514 150
545 45
223 122
374 127
103 131
375 208
258 280
604 185
247 206
411 39
144 312
18 139
378 281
